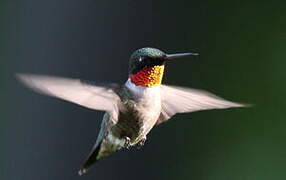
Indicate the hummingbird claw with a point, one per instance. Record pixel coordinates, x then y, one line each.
127 142
141 142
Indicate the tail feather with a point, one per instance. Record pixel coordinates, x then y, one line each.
91 159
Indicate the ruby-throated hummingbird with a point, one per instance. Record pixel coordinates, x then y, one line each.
132 109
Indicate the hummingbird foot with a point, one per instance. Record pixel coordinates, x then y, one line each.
127 142
141 142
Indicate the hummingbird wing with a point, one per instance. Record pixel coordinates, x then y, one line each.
185 100
74 90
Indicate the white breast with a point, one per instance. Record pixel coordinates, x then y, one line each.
151 93
148 102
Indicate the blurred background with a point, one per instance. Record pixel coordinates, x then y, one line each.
242 58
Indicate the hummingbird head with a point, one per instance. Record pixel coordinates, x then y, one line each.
146 66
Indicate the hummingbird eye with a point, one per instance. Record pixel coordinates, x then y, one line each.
140 59
143 60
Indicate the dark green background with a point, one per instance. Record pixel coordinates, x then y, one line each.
242 58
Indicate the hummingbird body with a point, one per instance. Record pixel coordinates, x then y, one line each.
132 109
142 109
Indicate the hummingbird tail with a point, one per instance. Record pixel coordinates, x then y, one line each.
91 159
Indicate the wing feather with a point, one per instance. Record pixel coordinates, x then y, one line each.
185 100
74 90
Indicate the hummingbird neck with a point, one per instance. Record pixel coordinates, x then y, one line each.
148 76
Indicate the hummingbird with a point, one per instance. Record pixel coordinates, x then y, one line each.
131 109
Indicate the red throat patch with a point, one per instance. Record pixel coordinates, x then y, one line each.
148 76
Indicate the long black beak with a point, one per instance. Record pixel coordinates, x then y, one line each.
178 55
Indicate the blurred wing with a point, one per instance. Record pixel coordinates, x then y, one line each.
184 100
74 90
